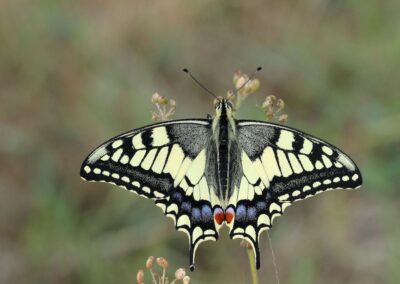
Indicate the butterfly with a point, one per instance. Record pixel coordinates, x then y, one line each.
207 173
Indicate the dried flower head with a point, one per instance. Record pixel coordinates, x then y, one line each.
244 87
140 276
272 107
162 262
180 273
149 262
165 108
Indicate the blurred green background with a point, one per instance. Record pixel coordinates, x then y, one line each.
75 73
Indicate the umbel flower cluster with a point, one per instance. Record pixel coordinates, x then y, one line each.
161 278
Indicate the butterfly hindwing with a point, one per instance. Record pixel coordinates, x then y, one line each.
280 165
166 162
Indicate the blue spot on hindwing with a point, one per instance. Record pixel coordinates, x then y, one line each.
240 214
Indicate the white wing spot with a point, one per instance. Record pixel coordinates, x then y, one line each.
117 143
345 178
197 168
97 171
106 173
105 158
285 167
124 160
136 184
182 170
305 161
204 191
355 177
270 164
336 179
158 194
286 139
172 208
125 179
319 165
284 197
115 175
160 136
145 188
251 232
295 163
250 192
273 207
160 160
174 160
326 161
197 233
316 184
243 189
307 147
115 157
183 221
327 181
306 188
296 193
327 150
137 158
87 169
137 141
148 161
248 168
338 165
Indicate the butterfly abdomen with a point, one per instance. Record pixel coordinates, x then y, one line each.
223 157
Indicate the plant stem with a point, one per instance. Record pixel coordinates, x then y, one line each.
253 270
163 276
152 276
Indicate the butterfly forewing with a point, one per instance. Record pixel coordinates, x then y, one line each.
168 163
281 165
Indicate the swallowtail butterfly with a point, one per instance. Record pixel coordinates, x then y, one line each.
206 173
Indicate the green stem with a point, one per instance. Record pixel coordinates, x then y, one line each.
253 270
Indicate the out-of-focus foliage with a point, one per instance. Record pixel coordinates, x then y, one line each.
75 73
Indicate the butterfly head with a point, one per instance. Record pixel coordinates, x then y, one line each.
223 107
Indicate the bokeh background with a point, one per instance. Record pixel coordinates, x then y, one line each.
75 73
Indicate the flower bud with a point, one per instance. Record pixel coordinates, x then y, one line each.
180 274
280 104
155 97
140 276
240 81
254 85
270 115
186 279
162 262
236 76
172 103
149 262
162 100
283 118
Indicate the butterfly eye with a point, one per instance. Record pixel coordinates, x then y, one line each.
229 105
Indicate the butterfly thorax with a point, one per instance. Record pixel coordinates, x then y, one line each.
224 130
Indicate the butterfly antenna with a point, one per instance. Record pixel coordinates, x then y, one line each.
200 84
244 84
